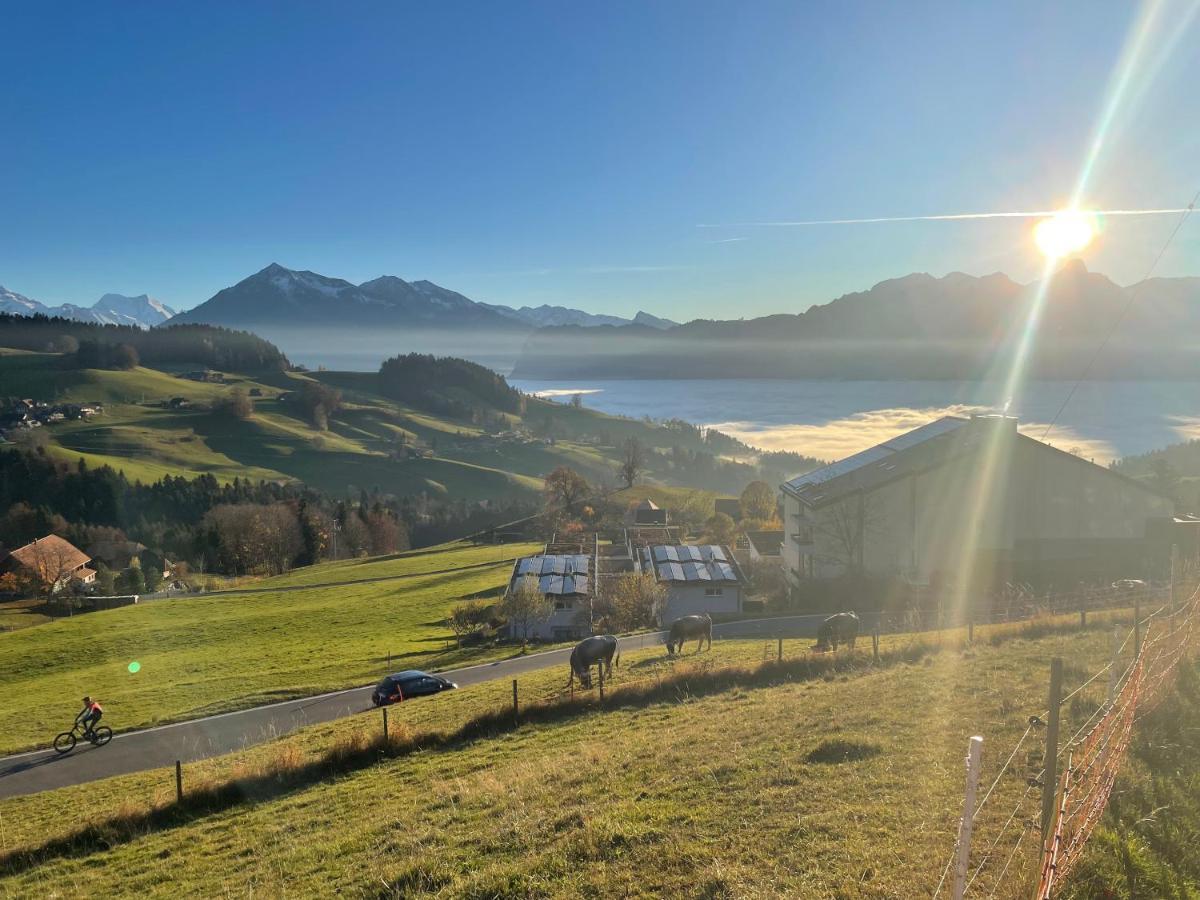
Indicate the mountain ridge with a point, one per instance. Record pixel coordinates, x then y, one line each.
142 310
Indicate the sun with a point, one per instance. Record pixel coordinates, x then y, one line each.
1064 233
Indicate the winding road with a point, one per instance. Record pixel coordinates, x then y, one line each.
153 748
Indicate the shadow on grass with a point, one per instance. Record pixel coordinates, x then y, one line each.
841 751
287 770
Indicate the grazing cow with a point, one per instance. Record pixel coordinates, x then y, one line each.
840 628
687 627
598 650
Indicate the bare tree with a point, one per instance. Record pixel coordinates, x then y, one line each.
565 489
633 461
847 526
632 601
525 605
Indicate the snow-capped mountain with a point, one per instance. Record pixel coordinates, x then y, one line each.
111 309
546 315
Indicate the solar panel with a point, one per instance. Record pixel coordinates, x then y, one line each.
944 425
581 563
714 552
660 554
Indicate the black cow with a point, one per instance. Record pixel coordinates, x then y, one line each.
837 629
599 650
687 627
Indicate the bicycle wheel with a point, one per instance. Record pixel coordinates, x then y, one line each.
65 742
101 735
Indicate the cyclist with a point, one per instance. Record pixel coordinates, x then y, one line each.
89 715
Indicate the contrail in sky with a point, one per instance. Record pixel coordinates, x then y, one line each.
1025 214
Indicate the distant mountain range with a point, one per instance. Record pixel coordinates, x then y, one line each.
918 327
279 296
111 309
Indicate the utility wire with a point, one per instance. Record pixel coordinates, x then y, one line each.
1133 294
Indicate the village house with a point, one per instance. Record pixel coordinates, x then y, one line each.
698 579
51 562
967 499
565 579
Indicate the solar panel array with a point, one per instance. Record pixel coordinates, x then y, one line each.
809 480
689 563
557 574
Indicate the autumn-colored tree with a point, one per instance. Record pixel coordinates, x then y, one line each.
565 489
758 502
720 529
525 605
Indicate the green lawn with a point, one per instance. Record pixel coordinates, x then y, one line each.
846 785
205 654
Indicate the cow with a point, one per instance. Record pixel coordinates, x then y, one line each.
687 627
601 650
839 628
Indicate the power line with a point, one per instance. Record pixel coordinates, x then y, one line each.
1133 294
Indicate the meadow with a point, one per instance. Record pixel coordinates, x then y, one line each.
838 778
203 654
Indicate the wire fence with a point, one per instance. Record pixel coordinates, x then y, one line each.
1089 760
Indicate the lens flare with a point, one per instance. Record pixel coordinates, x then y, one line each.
1064 233
135 667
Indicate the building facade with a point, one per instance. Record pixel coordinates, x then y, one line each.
704 579
966 498
567 583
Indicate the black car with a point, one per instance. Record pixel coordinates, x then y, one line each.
406 685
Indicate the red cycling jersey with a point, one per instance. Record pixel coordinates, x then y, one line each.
95 707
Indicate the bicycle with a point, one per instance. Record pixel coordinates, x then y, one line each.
99 736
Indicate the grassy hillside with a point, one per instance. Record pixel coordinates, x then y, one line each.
207 654
798 783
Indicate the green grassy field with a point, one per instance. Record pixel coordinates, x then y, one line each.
846 784
205 654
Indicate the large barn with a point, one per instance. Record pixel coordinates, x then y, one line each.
967 497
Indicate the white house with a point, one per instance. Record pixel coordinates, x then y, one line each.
961 497
567 580
704 579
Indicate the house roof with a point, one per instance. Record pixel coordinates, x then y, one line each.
913 452
562 573
767 543
50 557
685 562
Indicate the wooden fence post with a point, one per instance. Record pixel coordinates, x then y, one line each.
963 855
601 668
1050 767
385 724
971 624
780 651
178 781
516 708
875 642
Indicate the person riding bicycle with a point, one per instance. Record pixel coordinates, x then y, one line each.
89 715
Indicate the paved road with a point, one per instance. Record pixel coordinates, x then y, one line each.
136 751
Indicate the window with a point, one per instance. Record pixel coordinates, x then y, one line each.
714 592
562 604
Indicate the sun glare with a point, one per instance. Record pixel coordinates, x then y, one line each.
1064 233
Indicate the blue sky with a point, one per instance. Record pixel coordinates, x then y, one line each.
565 153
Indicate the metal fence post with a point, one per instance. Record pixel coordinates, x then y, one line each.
963 856
1050 767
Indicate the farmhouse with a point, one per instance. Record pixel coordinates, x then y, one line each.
51 562
646 513
961 498
565 579
705 579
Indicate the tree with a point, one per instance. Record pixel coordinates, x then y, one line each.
125 356
132 581
525 605
720 529
236 404
64 343
633 461
758 501
577 401
105 580
846 527
633 601
469 619
1164 478
565 489
320 402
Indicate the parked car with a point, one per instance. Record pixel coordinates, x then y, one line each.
409 684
